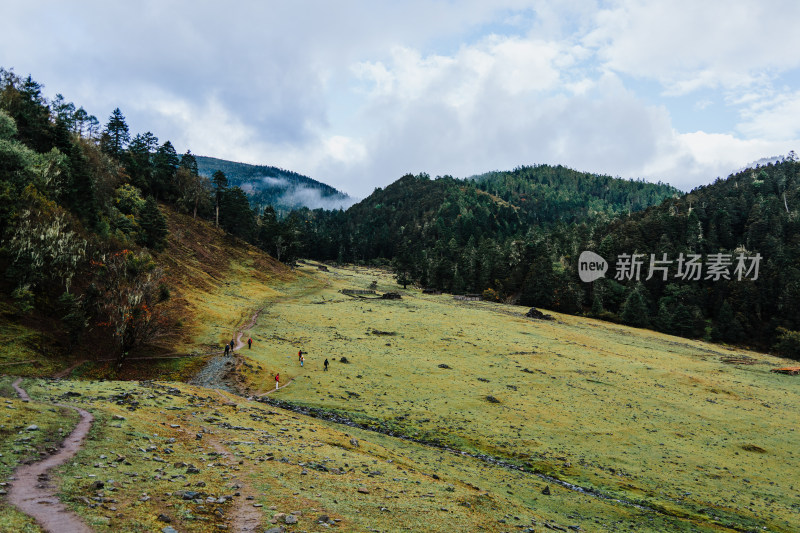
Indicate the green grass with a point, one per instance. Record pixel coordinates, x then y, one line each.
635 414
651 419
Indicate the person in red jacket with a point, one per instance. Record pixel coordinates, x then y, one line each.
277 380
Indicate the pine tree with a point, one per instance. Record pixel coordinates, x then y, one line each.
116 135
153 225
634 310
220 183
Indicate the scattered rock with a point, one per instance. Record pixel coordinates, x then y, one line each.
535 313
354 442
444 366
278 529
290 519
344 360
32 427
391 296
164 518
169 529
363 490
546 490
492 399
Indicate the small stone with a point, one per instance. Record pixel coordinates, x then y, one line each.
32 427
164 518
354 442
363 490
275 530
290 519
169 529
546 490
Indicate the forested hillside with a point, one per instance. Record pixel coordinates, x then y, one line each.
750 214
283 189
492 233
517 236
83 232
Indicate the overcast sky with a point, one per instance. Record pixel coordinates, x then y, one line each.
356 94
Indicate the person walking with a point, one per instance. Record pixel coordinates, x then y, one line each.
300 355
277 380
326 364
227 349
250 343
302 360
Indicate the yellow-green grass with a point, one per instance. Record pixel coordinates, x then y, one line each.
635 414
22 346
218 282
290 463
18 444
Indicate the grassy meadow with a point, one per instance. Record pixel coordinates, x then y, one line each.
661 433
690 429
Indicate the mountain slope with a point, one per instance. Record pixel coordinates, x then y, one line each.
283 189
755 211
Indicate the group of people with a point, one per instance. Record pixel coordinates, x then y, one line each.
231 345
300 357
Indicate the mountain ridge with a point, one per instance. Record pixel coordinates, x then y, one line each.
269 185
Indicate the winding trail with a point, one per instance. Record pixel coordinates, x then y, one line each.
30 491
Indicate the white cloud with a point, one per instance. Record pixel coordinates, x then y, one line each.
356 94
685 44
773 120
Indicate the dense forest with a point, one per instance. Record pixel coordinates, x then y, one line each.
82 223
265 185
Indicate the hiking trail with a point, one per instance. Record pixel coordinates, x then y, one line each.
30 490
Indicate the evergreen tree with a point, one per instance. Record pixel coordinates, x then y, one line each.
634 310
153 225
220 183
116 136
165 164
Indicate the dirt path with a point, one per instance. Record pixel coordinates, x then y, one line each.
273 390
30 491
216 373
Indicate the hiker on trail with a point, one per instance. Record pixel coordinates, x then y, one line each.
250 343
277 380
227 349
326 365
300 355
233 343
302 360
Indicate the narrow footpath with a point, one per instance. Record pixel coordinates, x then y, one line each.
30 489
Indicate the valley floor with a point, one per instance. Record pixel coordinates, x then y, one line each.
464 416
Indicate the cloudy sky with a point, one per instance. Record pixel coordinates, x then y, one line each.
358 93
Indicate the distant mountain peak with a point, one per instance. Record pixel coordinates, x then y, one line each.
268 185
